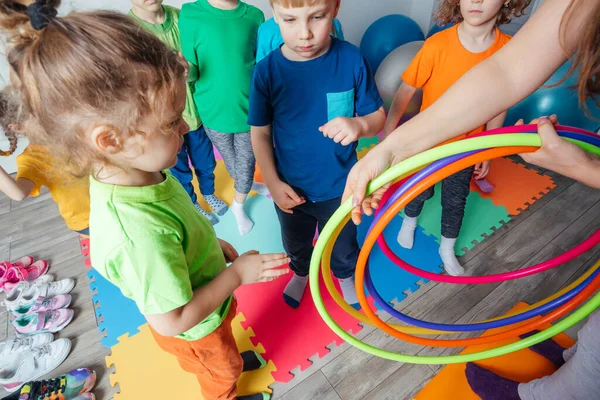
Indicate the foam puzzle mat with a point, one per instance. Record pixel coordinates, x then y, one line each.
300 335
515 186
481 218
522 366
163 378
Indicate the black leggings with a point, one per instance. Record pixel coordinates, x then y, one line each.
455 190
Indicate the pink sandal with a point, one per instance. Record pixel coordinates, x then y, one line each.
5 266
18 272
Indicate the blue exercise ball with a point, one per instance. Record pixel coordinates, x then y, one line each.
560 100
385 35
436 28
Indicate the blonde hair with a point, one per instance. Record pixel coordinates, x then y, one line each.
84 70
9 118
299 3
306 3
449 12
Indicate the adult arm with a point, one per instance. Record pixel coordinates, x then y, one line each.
489 88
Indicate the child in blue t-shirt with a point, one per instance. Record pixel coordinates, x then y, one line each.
269 37
310 101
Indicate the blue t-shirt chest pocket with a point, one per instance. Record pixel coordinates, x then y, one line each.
340 104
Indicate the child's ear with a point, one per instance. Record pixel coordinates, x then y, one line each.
275 17
107 139
337 8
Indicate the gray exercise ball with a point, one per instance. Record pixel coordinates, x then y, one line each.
389 77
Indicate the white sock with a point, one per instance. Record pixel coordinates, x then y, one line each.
260 188
451 264
244 223
406 236
349 291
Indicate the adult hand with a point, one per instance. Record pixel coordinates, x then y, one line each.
556 153
373 164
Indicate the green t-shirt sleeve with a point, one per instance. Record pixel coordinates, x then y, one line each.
153 271
188 44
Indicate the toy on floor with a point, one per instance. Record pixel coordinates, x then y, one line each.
484 185
446 160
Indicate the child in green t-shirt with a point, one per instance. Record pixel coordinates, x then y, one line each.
218 39
107 97
163 22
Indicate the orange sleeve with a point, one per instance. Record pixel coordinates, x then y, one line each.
420 68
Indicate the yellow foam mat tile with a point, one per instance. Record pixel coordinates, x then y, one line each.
144 371
223 186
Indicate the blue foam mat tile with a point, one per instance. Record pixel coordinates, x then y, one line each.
120 315
391 281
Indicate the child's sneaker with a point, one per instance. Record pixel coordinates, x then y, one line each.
27 292
33 364
74 385
5 265
43 322
14 345
25 306
209 216
17 272
84 396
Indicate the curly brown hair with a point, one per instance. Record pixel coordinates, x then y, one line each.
585 57
83 70
449 12
9 116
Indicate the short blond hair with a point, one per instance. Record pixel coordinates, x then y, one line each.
299 3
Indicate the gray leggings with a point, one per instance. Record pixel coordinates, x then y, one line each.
236 149
579 377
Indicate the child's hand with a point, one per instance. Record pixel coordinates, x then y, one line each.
229 251
285 197
253 267
342 130
482 169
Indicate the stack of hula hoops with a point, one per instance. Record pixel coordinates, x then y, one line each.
413 176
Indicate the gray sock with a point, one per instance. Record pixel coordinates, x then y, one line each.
293 292
349 292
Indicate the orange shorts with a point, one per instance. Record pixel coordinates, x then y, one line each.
214 359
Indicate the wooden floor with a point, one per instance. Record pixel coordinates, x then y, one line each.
553 224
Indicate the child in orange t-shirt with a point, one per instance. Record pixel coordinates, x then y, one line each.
442 60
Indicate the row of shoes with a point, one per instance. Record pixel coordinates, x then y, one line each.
31 357
37 308
36 303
